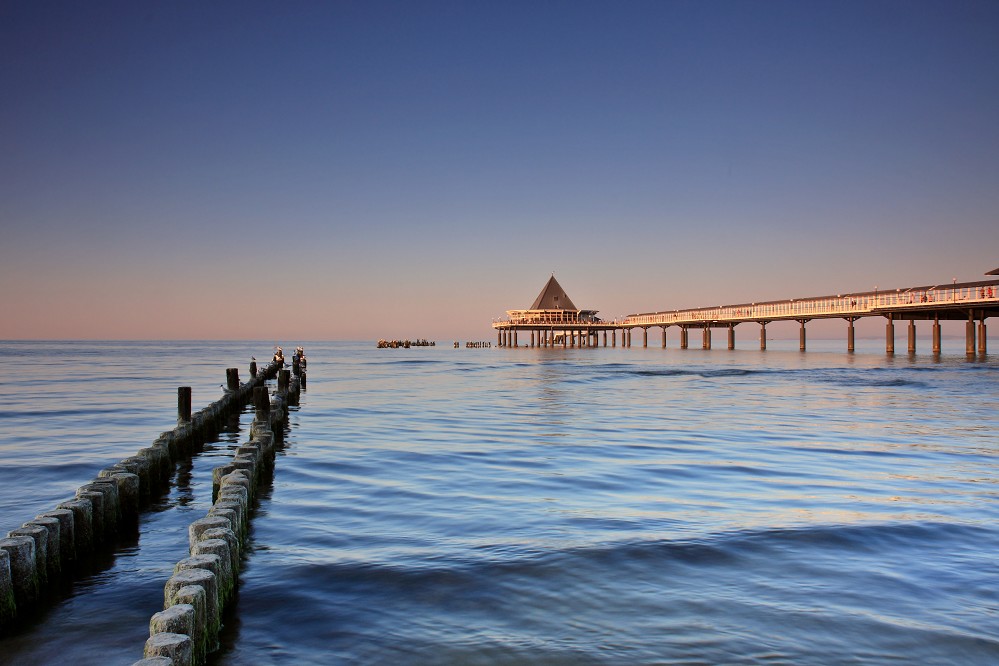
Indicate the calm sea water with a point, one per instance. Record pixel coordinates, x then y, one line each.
501 506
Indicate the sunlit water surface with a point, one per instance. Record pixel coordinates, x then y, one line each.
518 506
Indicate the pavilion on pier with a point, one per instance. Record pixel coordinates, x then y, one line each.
553 319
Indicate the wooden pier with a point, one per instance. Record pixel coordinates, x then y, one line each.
973 302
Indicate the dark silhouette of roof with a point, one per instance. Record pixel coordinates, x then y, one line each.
994 271
553 297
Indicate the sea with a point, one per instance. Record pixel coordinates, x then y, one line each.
436 505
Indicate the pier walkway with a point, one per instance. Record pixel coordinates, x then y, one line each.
972 302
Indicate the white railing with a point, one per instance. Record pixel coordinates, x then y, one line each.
859 305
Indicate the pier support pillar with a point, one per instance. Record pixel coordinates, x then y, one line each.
627 333
664 337
645 336
763 336
801 334
706 338
731 336
969 335
683 337
613 337
982 337
514 337
912 337
849 334
936 335
499 338
532 339
890 336
605 338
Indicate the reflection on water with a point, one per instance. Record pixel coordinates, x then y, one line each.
606 506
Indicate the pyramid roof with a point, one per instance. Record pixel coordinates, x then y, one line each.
553 297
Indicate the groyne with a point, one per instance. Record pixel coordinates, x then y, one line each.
44 554
196 595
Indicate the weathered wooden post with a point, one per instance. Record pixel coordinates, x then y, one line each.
23 569
912 336
262 404
232 378
8 608
253 368
183 404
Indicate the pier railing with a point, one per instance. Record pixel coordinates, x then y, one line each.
963 295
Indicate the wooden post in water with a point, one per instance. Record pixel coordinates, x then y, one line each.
801 335
936 335
253 369
664 337
763 336
969 334
232 378
706 337
912 336
645 336
982 344
849 334
731 336
262 403
683 337
184 403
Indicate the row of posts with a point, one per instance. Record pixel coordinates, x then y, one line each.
186 631
590 338
57 546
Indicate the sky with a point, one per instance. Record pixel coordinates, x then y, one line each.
364 170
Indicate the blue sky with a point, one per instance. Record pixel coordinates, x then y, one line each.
361 169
